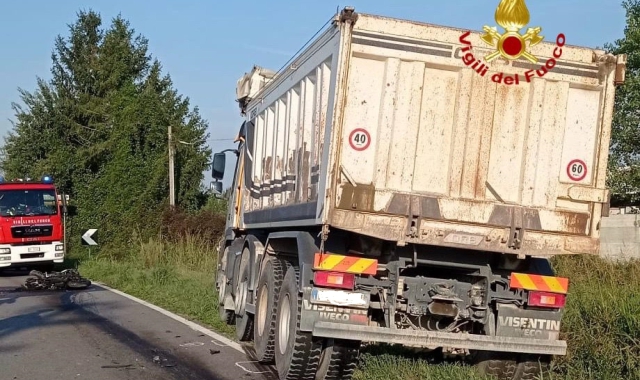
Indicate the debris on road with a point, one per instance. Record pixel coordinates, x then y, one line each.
213 352
64 280
162 362
119 366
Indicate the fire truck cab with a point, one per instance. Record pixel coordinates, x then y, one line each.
32 221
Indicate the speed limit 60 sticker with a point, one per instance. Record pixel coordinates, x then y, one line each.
359 139
577 170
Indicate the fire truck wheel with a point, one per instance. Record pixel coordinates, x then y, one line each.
501 365
297 353
338 360
531 367
244 321
268 291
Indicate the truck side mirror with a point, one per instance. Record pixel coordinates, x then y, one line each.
219 164
216 188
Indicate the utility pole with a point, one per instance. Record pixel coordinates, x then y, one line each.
172 185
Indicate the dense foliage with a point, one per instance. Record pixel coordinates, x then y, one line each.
624 163
99 126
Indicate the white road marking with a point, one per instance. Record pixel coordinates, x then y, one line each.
248 370
192 344
219 344
178 318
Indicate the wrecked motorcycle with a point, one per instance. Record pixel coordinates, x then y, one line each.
66 279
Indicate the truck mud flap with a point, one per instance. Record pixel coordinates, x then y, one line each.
313 312
518 323
433 339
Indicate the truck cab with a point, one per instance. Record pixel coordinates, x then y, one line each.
31 223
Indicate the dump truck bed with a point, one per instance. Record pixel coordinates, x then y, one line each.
383 129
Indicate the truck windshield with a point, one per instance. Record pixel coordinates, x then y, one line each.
28 202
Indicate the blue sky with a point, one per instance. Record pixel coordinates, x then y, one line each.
207 45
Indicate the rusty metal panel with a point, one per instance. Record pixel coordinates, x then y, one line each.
387 125
290 118
279 146
417 121
508 136
432 125
436 130
266 196
543 162
305 143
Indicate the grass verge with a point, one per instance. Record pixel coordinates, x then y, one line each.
601 324
177 277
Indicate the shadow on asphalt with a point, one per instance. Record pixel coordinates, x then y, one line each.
250 352
69 263
59 308
15 272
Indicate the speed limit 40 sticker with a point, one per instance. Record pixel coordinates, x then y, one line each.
577 170
359 139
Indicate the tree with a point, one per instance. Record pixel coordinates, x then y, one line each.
624 162
99 126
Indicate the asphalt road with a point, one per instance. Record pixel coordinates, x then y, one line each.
97 334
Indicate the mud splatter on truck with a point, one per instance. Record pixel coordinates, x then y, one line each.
384 191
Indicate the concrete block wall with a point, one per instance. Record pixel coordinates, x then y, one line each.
620 236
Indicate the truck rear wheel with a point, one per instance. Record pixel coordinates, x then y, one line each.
297 353
501 365
531 367
227 316
244 321
338 360
268 292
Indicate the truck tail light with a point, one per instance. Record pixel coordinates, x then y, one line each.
334 280
544 299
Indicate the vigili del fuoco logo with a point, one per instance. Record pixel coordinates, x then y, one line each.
512 16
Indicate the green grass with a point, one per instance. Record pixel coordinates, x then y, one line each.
393 363
601 324
602 320
177 277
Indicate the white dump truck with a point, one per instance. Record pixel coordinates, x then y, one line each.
406 183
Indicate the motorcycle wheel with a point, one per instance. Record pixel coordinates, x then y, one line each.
78 284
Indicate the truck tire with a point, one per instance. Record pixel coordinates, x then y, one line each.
531 367
268 292
297 353
244 320
501 365
227 316
338 360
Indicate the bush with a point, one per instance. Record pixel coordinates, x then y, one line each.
178 224
602 320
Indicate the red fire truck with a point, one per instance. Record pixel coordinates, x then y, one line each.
32 221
